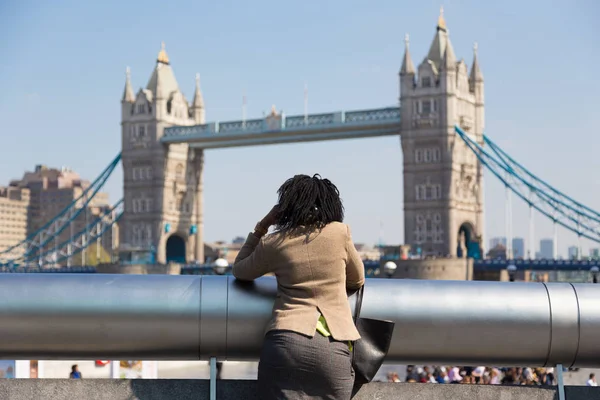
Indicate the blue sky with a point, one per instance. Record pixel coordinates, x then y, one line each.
63 70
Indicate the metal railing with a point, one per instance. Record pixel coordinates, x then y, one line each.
162 317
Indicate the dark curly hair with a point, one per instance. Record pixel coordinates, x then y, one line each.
307 201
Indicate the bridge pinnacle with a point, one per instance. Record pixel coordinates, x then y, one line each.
441 21
162 54
128 95
407 65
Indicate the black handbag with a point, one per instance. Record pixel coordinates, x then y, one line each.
369 352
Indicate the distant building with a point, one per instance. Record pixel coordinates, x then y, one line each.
595 253
220 249
368 252
495 241
518 248
52 190
573 253
14 204
546 249
497 252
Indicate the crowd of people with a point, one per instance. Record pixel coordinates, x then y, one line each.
477 375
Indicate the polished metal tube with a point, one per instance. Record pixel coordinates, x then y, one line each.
162 317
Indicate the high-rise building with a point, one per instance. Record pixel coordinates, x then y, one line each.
51 190
573 252
546 249
495 241
595 253
14 203
518 248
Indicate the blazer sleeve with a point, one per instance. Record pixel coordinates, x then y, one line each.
355 269
250 262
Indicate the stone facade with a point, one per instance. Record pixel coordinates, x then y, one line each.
443 179
162 184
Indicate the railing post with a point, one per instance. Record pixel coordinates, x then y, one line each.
561 382
213 378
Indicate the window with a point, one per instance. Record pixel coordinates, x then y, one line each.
141 108
428 228
437 192
180 199
428 191
435 105
420 192
141 173
179 172
427 157
141 234
419 155
141 205
142 131
425 106
426 82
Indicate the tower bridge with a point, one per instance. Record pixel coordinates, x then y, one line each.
440 119
164 138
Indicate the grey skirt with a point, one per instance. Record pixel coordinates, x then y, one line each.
294 367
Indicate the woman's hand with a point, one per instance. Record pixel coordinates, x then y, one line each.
270 218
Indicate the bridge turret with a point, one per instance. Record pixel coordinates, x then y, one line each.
128 96
159 182
443 203
197 109
476 87
407 71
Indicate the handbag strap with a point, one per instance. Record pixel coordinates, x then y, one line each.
359 299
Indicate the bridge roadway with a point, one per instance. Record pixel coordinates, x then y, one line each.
279 129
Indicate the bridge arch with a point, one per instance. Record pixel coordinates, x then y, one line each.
175 249
468 242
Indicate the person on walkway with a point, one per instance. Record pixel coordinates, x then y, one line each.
592 380
75 374
306 352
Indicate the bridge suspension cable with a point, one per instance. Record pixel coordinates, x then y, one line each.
552 203
77 242
35 243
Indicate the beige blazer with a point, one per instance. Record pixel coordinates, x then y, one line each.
313 272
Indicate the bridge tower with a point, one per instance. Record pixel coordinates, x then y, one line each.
162 184
443 180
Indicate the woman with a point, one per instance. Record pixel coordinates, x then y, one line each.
307 348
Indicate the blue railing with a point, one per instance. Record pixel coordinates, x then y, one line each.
275 123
